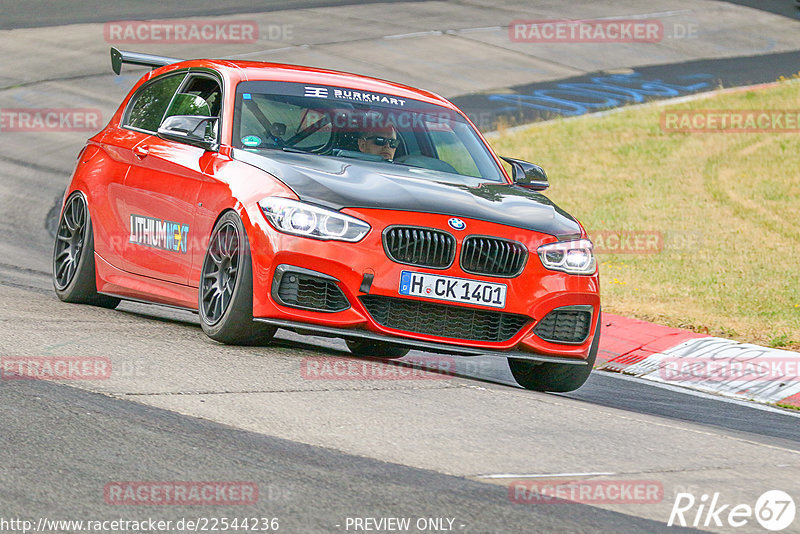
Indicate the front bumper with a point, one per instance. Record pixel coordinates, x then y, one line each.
363 269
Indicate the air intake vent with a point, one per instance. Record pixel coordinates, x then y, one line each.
443 320
424 247
301 289
492 256
570 324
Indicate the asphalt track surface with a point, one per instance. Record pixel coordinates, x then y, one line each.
600 91
322 452
779 7
39 13
29 14
308 489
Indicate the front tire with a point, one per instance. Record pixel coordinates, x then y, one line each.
376 349
555 377
225 295
74 275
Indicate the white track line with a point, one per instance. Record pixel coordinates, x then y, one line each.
551 475
412 35
647 15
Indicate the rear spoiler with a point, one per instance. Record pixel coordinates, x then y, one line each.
118 57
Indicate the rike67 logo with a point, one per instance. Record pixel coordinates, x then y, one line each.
774 510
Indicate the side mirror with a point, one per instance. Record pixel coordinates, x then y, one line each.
528 175
190 129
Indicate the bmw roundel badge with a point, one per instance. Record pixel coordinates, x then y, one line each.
456 224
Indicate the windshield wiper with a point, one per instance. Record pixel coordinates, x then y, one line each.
299 150
337 153
355 154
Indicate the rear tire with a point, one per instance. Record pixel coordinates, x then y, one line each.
74 275
225 295
555 377
376 349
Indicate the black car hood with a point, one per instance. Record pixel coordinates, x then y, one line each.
338 183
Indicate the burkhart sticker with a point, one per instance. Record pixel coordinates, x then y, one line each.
158 233
350 94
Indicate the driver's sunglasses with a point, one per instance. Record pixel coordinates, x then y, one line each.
382 141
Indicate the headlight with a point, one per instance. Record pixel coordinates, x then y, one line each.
299 218
573 257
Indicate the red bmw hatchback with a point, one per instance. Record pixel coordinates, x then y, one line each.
270 196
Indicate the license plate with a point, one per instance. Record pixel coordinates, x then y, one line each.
453 289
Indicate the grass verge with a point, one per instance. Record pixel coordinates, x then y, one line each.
725 208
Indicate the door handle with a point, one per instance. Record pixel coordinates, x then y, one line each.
141 151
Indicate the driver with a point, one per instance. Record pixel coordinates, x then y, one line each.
381 141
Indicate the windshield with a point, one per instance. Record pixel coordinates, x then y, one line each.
347 123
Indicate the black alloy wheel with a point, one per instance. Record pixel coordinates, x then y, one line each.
74 277
70 239
225 296
220 272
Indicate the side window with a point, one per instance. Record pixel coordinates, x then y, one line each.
199 96
150 103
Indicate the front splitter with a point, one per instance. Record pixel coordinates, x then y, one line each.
330 331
